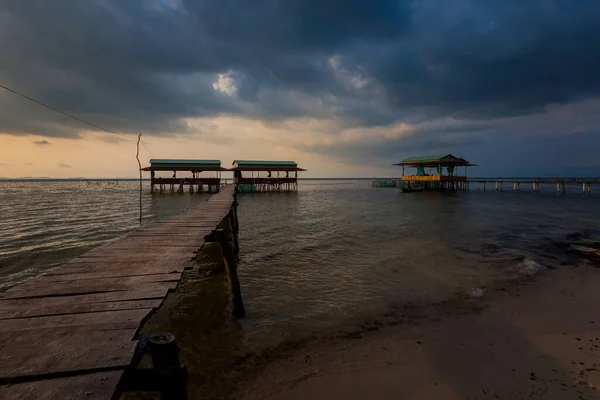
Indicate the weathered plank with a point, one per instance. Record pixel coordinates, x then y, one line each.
95 386
16 304
187 224
82 287
139 242
93 269
40 352
174 261
198 234
87 320
100 277
207 220
124 255
79 308
157 240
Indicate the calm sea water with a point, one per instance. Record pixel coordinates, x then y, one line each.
44 224
335 252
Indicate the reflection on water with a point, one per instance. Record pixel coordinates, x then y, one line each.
311 262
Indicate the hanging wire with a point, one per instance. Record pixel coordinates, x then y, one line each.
139 138
148 150
63 112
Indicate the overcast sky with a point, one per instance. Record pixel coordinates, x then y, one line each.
344 88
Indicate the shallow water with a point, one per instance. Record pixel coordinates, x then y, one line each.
44 224
329 256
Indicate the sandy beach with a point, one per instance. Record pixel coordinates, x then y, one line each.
536 337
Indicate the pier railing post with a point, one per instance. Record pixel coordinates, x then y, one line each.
165 357
231 222
167 376
218 235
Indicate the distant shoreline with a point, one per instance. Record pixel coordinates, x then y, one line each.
43 179
148 179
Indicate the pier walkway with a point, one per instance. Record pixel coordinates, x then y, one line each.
498 183
72 332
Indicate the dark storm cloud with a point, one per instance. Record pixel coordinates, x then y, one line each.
42 142
144 65
435 139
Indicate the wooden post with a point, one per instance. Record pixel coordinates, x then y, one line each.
236 223
218 235
583 189
557 187
231 222
496 186
234 282
165 355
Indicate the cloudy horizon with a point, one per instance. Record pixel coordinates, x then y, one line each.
345 88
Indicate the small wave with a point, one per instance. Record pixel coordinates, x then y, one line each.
475 292
528 267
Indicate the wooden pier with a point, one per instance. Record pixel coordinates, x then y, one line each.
72 333
514 184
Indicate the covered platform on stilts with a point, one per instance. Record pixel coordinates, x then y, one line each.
439 172
265 176
177 175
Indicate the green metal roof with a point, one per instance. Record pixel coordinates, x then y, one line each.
176 162
257 163
428 158
444 160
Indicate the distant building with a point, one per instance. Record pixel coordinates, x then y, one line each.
440 172
195 183
265 176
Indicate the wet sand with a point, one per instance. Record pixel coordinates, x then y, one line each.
532 338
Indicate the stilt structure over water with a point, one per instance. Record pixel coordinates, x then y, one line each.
265 176
439 173
189 177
